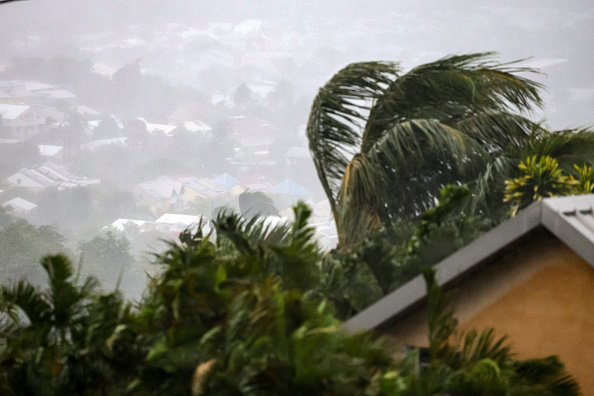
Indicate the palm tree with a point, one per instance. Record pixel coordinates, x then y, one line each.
385 143
57 338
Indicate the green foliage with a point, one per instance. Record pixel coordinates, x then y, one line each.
22 245
585 182
256 204
106 257
58 339
252 313
385 143
540 179
544 178
240 317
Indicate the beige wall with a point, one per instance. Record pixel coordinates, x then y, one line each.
541 295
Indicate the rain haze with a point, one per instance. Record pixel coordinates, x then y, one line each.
142 116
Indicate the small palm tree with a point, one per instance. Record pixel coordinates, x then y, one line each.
57 337
540 179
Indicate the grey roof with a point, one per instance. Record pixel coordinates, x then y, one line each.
20 204
50 174
570 219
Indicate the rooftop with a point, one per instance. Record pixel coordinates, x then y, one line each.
570 219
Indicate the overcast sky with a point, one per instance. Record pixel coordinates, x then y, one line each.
556 35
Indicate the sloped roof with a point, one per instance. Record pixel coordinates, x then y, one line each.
10 112
206 188
196 126
570 219
291 188
120 224
49 174
58 93
50 112
20 204
36 86
172 218
161 128
49 151
225 180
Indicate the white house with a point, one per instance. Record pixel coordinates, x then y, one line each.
21 122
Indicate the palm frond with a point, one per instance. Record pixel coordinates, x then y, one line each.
498 131
442 324
476 347
488 188
245 234
544 376
451 89
25 297
414 160
568 147
336 118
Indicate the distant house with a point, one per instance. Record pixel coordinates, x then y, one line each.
127 226
326 235
161 194
254 184
159 129
531 278
58 96
198 127
49 151
52 114
20 205
226 181
121 224
253 134
95 144
294 191
87 111
248 26
175 224
206 190
21 122
46 175
14 92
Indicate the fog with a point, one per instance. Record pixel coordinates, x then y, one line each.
149 108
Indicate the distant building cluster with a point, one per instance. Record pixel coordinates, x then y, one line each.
65 131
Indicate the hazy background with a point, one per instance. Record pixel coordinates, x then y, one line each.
122 71
310 39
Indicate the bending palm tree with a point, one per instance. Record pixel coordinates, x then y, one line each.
384 143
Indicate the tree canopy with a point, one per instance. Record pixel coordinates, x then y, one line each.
385 142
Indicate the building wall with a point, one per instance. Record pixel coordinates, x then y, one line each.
26 125
541 295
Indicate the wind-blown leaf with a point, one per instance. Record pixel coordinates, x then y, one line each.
337 114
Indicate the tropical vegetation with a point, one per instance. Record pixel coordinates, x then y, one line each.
385 143
544 178
415 165
250 313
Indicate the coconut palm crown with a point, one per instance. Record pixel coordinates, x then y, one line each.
384 142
